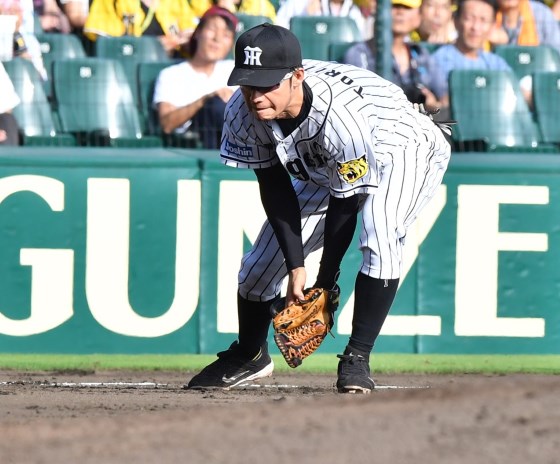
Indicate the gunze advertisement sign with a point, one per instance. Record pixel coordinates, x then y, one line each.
120 251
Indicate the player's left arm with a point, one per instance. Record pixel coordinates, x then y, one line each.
351 178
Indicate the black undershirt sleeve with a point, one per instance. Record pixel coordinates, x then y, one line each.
340 224
282 210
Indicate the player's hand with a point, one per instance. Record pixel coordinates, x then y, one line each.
431 99
296 283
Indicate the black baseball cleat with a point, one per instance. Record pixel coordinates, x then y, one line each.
354 373
233 369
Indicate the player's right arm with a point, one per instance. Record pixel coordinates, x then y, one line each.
281 205
248 143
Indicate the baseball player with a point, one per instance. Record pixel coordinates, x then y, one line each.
326 141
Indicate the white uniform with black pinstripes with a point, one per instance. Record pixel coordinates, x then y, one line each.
354 113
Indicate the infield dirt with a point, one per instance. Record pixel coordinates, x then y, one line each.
104 417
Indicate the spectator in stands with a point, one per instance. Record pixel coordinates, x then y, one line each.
474 21
172 21
9 131
368 9
525 22
556 11
248 7
51 17
77 12
26 44
436 25
291 8
192 95
414 70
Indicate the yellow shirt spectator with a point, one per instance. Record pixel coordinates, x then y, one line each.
249 7
133 17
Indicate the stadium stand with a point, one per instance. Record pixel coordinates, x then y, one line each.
491 113
525 60
147 74
338 49
94 101
33 114
431 47
316 33
488 105
247 21
131 51
55 46
546 98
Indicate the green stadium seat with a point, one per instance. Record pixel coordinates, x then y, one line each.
247 21
33 114
147 74
546 98
37 26
276 4
431 47
491 113
337 50
130 51
94 101
316 33
55 46
525 60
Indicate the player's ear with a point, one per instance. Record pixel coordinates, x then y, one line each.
298 76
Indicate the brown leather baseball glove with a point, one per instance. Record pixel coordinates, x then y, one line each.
300 328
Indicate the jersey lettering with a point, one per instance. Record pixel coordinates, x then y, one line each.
345 80
296 168
311 153
318 150
313 160
333 73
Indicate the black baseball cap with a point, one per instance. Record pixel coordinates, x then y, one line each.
264 54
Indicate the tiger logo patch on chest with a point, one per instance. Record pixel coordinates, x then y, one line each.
353 170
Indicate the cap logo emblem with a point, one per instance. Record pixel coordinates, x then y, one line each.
252 56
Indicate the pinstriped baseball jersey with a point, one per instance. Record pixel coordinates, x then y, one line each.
360 136
353 110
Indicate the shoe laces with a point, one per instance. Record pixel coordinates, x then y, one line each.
354 364
234 354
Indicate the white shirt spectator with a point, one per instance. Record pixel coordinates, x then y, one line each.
181 85
9 98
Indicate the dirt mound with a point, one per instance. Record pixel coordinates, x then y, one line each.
116 417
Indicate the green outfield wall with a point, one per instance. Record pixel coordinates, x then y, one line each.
137 251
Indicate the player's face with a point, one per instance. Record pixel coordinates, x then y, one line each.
279 101
474 24
215 40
